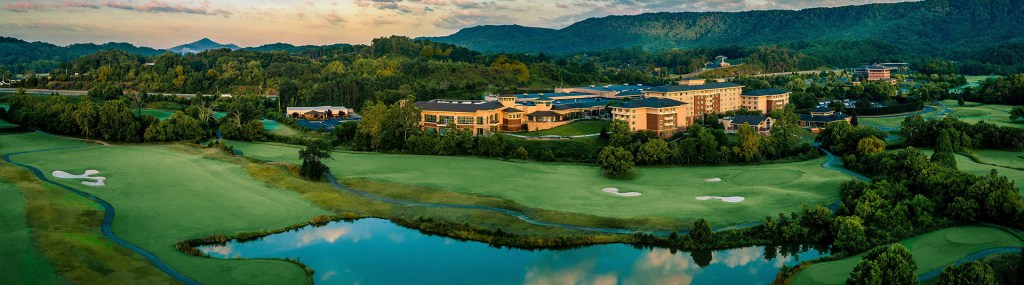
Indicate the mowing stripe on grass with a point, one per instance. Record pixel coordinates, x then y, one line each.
108 218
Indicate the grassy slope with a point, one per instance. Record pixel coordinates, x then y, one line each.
5 123
573 129
159 114
893 121
163 196
278 129
667 192
22 262
931 251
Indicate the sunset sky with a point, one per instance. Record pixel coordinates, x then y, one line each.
167 23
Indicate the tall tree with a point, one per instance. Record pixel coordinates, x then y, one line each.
87 117
312 158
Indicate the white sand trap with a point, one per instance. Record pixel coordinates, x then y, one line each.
96 181
724 199
615 191
713 180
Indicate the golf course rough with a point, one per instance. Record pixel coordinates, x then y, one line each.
164 195
21 261
931 251
666 192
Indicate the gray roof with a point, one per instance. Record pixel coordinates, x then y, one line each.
650 102
873 66
458 105
766 92
824 119
822 109
748 119
581 103
511 110
713 85
543 114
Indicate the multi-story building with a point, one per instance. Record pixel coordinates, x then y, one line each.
481 117
821 117
761 124
765 100
511 113
661 115
872 72
716 97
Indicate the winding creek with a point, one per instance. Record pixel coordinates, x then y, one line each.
374 251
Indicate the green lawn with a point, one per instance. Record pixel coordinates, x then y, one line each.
22 263
666 192
5 124
973 113
573 129
893 121
931 251
159 114
1007 163
277 128
163 195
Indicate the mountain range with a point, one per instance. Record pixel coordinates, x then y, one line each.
930 26
201 46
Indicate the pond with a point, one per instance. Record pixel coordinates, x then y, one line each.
374 251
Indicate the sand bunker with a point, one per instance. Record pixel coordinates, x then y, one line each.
615 191
724 199
96 181
713 180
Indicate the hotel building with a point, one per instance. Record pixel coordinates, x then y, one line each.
716 97
765 100
660 115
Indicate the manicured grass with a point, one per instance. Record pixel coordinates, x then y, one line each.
1007 163
973 113
165 194
22 263
573 129
666 192
893 121
277 128
931 251
159 114
5 124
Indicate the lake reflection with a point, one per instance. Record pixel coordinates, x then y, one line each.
374 251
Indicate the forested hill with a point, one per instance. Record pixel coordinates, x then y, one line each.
930 26
18 56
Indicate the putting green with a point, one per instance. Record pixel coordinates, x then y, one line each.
22 263
573 129
666 192
931 251
163 195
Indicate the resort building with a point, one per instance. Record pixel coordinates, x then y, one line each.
765 100
761 124
608 91
716 97
322 113
872 72
481 117
661 115
718 63
821 117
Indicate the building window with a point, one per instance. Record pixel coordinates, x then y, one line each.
430 118
446 119
479 120
465 120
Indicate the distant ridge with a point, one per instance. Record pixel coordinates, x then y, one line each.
201 46
929 26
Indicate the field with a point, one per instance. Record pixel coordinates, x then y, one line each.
975 112
665 192
931 251
165 194
278 129
22 262
573 129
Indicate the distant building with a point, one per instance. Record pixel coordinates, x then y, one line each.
765 100
512 113
718 97
660 115
318 113
606 91
761 124
821 117
872 72
718 63
692 81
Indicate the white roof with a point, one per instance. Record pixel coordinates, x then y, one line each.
321 109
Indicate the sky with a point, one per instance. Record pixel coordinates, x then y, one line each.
168 23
